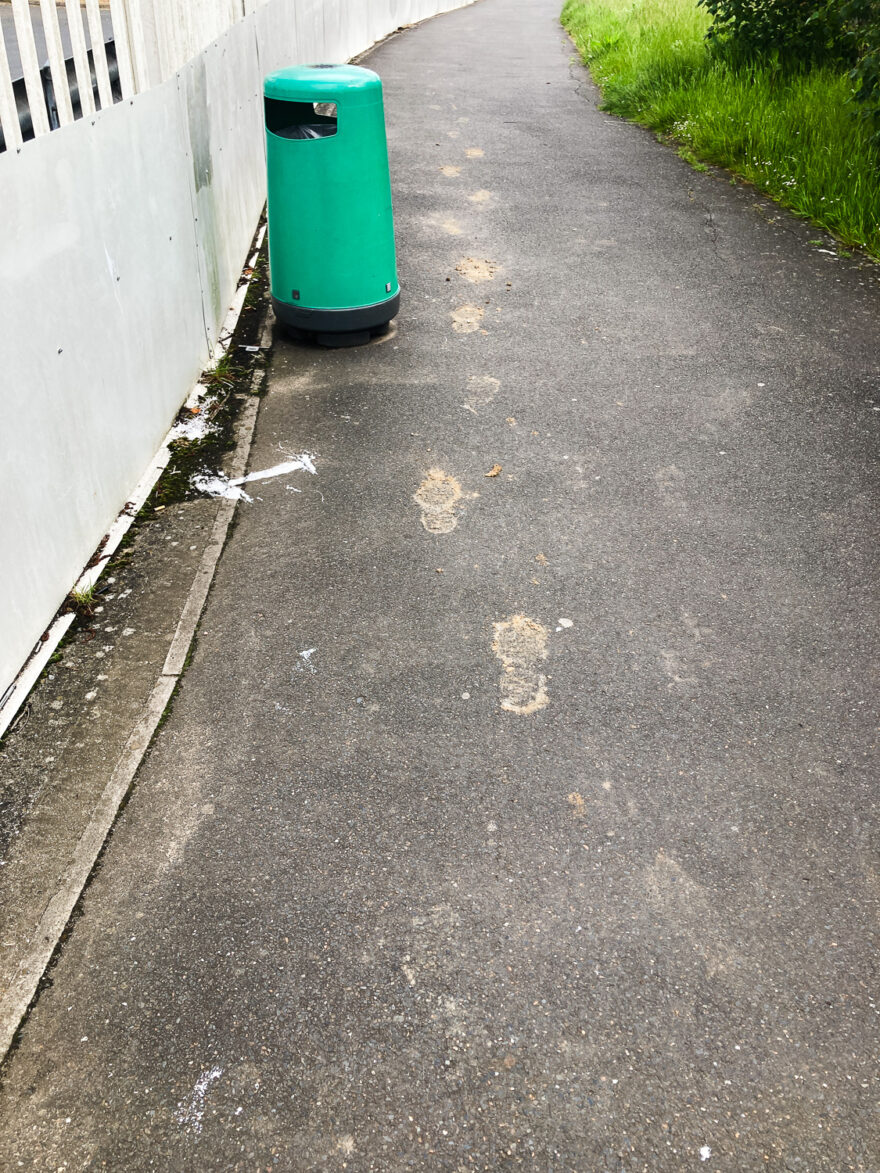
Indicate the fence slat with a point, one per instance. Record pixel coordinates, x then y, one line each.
8 109
119 16
140 60
171 29
27 50
57 66
99 53
80 57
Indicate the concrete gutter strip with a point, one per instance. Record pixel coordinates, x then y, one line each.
186 628
21 993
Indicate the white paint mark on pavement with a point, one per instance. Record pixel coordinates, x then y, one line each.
190 1113
306 664
705 1153
219 485
304 460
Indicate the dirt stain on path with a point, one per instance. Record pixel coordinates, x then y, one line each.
482 389
521 645
467 318
438 497
475 270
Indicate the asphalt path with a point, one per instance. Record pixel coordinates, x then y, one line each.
519 807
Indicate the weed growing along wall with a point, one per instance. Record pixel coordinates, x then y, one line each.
124 235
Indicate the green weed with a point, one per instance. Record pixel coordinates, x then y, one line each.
83 601
222 375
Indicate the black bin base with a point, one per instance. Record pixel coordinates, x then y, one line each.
336 328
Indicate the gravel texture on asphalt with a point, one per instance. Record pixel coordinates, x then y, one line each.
518 816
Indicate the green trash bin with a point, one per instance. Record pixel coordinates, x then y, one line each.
331 231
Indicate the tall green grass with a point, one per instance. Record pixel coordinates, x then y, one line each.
793 136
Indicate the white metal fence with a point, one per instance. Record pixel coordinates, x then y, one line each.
60 61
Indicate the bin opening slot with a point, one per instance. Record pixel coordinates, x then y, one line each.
301 119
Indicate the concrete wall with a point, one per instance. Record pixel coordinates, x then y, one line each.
124 236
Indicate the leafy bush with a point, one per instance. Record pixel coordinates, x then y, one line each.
788 33
863 22
800 35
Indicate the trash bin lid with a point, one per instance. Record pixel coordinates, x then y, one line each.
351 84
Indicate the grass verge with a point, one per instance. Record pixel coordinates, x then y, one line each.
792 136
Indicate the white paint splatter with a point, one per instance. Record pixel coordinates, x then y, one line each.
705 1153
194 428
219 485
190 1114
306 664
303 460
563 623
